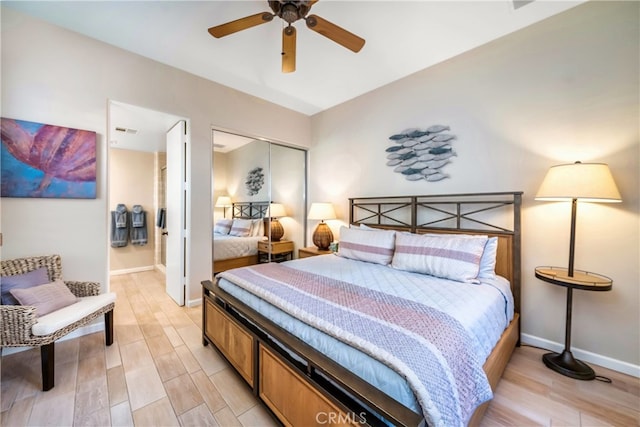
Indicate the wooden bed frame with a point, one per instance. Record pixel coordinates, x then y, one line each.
242 210
296 382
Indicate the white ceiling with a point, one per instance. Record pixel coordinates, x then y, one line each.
402 37
141 129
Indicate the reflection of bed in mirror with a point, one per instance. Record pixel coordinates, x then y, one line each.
234 248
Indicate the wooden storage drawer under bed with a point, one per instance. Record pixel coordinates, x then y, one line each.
232 340
293 400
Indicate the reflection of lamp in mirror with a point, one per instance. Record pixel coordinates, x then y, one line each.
322 236
223 202
588 182
275 211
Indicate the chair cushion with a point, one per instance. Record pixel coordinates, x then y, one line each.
45 298
22 281
64 317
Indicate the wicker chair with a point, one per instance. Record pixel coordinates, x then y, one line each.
17 321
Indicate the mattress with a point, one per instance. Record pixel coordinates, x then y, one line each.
226 246
484 310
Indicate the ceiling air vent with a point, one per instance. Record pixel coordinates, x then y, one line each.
126 130
519 3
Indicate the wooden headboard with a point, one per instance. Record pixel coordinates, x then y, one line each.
249 210
491 214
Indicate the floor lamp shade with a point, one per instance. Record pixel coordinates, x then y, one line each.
583 181
276 231
322 236
590 182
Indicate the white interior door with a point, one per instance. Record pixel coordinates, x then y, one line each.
175 199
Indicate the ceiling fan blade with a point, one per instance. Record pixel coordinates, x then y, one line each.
335 33
240 24
288 49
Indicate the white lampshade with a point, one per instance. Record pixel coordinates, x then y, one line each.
223 202
591 182
276 210
321 211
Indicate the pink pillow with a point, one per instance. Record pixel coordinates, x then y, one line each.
455 258
45 298
374 246
223 226
241 228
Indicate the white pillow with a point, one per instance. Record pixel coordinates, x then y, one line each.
488 260
241 227
223 226
257 228
450 257
367 245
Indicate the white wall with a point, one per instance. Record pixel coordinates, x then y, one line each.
52 75
562 90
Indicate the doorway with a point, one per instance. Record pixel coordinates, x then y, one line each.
137 162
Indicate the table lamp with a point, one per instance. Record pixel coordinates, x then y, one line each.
223 202
589 182
322 236
275 211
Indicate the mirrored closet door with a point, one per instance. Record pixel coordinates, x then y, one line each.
259 201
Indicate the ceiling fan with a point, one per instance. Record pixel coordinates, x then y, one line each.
291 11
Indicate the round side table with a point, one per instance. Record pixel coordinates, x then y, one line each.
564 362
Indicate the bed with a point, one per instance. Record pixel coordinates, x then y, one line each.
230 251
308 375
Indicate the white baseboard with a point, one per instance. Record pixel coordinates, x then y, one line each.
161 268
85 330
194 302
585 356
131 270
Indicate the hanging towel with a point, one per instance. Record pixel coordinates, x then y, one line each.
161 222
138 230
121 216
119 229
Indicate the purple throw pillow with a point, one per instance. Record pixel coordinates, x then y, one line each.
21 281
46 298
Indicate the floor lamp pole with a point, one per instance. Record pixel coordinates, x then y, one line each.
564 362
572 239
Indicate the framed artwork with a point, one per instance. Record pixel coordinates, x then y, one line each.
46 161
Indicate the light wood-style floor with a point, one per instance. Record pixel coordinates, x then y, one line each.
158 373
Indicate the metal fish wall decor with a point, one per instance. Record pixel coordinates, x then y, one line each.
421 154
255 180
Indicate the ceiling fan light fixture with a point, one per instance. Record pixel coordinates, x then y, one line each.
289 13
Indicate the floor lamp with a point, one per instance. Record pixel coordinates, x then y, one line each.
589 182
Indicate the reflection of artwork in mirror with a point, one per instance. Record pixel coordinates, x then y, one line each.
255 180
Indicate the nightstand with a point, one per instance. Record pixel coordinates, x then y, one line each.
564 362
311 251
280 251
